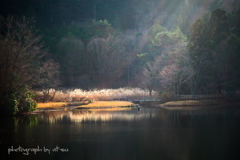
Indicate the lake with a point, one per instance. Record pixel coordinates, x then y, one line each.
153 133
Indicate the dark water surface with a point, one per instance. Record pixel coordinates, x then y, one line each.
152 133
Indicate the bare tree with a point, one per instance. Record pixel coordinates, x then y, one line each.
150 77
49 78
19 52
107 59
173 67
175 74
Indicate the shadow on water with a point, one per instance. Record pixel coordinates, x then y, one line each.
152 133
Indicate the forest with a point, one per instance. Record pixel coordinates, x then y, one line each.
169 46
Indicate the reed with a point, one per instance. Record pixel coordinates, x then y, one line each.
79 95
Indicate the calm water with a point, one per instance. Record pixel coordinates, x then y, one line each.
152 133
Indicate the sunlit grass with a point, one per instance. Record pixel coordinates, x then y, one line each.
51 105
103 104
59 104
95 104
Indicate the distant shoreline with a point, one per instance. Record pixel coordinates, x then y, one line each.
208 102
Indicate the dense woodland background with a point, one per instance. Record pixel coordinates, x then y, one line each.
172 46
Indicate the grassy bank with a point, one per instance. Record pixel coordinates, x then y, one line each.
106 104
84 105
58 105
200 102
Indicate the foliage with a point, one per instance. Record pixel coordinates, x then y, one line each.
156 28
100 28
26 101
164 96
212 48
218 27
197 36
72 58
169 38
86 53
19 99
162 40
10 104
54 35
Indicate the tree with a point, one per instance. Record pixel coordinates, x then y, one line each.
198 36
150 77
202 70
71 55
156 28
107 59
218 28
20 53
233 43
176 69
100 28
234 21
49 78
170 70
166 38
212 49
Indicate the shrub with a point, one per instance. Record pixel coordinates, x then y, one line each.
25 99
29 104
10 104
18 99
90 101
165 97
11 98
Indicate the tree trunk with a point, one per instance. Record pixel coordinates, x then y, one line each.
53 96
150 92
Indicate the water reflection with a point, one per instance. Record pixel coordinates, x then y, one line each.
103 116
214 116
152 133
27 120
180 117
